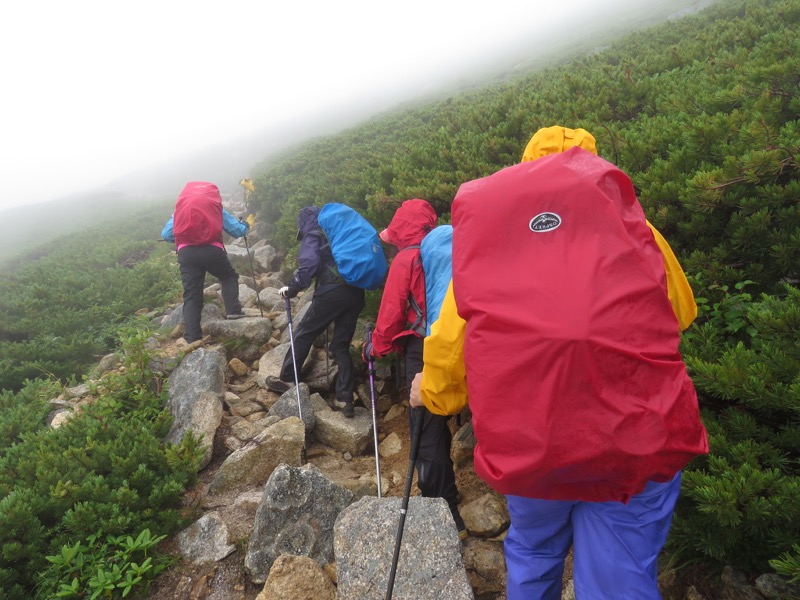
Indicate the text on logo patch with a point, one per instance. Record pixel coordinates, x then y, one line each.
545 221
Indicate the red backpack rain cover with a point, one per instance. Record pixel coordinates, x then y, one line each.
198 215
575 382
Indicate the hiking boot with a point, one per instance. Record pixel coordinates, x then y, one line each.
346 408
234 316
460 527
278 385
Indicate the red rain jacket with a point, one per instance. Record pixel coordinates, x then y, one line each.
405 281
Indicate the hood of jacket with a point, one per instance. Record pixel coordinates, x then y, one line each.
410 223
307 221
555 139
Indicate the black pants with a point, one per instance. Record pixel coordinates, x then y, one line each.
195 262
340 305
435 475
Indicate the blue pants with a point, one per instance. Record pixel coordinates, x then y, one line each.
615 545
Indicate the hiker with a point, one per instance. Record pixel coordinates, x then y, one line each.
401 327
583 413
334 301
196 227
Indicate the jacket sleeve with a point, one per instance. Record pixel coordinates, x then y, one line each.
308 261
678 288
444 376
232 226
393 312
167 233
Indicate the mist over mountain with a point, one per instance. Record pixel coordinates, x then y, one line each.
24 228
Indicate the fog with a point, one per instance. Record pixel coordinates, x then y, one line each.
95 91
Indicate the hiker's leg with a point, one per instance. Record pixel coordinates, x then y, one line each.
435 475
617 545
311 325
220 267
351 301
193 275
536 547
436 478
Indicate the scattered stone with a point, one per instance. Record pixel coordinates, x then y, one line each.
238 367
297 578
205 541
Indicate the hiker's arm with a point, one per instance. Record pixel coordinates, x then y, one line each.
443 388
233 226
167 233
308 259
678 288
393 312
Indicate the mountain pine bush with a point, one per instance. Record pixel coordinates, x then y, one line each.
741 504
105 472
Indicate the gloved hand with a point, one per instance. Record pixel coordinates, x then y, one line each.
250 220
284 291
367 352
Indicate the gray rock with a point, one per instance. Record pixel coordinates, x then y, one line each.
269 365
205 541
430 564
250 334
775 587
487 566
391 445
108 363
296 516
265 256
211 312
196 389
735 586
345 435
253 464
487 516
287 406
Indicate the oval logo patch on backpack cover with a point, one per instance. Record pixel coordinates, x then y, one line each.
545 221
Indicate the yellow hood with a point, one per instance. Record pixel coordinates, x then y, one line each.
551 140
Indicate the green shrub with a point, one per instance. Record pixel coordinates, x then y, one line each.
103 474
109 569
741 504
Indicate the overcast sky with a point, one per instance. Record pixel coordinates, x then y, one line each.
96 89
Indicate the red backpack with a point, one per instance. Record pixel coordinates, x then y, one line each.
575 382
198 215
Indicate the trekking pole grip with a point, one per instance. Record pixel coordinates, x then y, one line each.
288 308
417 420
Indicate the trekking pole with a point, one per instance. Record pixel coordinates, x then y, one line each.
374 412
253 274
294 364
417 417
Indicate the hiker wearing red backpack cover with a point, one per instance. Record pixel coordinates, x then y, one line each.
196 227
400 327
565 338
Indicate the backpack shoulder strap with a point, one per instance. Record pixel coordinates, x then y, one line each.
420 324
